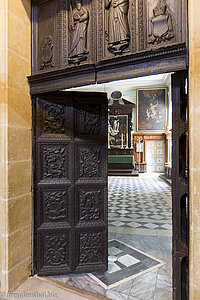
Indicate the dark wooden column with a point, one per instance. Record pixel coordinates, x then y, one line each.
180 187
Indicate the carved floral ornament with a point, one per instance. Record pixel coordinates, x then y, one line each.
56 250
90 248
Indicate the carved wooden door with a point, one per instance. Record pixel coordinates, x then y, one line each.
70 142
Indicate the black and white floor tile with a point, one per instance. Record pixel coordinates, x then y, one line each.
142 204
124 259
140 223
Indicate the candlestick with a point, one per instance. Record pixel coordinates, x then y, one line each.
108 140
122 145
127 141
131 141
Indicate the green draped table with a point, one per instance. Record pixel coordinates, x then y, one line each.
121 159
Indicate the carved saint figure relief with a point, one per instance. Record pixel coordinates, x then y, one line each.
161 27
78 26
47 53
117 27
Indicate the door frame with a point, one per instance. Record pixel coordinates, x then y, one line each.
175 178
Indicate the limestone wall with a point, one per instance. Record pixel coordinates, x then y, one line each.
194 134
15 143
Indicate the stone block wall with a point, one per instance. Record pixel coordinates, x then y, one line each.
15 144
194 144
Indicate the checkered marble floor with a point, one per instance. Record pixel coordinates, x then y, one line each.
140 243
141 204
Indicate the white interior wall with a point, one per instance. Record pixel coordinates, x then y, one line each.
128 87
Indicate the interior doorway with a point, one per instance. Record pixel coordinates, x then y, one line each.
133 203
139 201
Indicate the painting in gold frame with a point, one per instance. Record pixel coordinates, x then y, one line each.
116 141
152 109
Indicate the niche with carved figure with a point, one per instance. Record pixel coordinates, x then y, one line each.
79 32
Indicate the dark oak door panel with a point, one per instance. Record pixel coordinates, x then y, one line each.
70 157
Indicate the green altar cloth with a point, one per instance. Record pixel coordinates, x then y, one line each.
112 159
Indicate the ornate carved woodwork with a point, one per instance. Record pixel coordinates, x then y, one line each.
78 25
55 162
54 118
180 187
70 182
55 250
117 26
161 24
89 162
90 205
55 208
90 248
91 39
47 53
89 119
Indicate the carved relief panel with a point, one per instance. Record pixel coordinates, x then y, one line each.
91 119
163 17
126 27
90 162
64 34
91 36
46 27
54 251
54 162
90 205
116 30
52 121
91 248
78 31
55 204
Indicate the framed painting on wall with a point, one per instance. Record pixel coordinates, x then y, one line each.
152 109
119 122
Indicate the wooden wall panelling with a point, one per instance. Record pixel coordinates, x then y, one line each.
134 57
144 137
52 43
